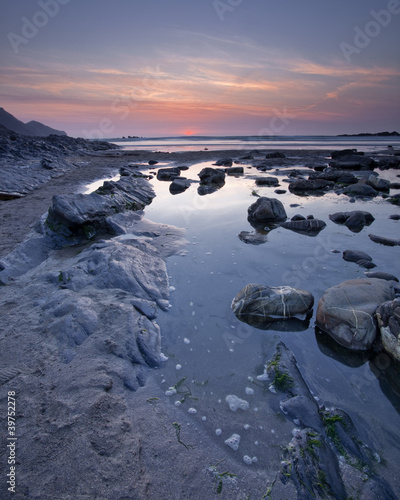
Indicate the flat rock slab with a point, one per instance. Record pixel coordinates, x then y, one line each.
347 311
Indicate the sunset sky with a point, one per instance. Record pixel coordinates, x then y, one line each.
102 68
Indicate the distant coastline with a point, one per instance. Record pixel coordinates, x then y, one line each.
364 134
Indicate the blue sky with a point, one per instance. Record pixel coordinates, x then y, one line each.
101 68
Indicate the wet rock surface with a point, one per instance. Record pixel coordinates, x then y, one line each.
269 303
266 210
323 458
355 220
347 311
388 316
309 227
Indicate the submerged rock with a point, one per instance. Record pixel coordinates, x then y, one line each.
346 311
309 227
304 186
272 302
266 210
224 162
267 181
388 316
384 241
234 171
179 185
252 238
360 258
361 190
355 220
275 155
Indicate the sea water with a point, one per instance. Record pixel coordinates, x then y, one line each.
199 143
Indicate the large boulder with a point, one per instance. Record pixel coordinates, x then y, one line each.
347 311
266 210
388 316
271 303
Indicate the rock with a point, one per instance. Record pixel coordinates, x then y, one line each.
388 316
345 152
179 185
395 199
360 258
272 302
335 175
252 238
309 227
381 275
384 241
355 220
394 217
377 183
321 439
354 162
168 174
153 162
267 210
234 171
395 185
361 190
304 186
224 162
79 217
280 191
274 155
132 265
346 311
212 176
267 181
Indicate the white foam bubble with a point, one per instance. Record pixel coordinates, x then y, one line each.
236 403
192 411
249 391
178 367
247 460
218 432
187 341
233 442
